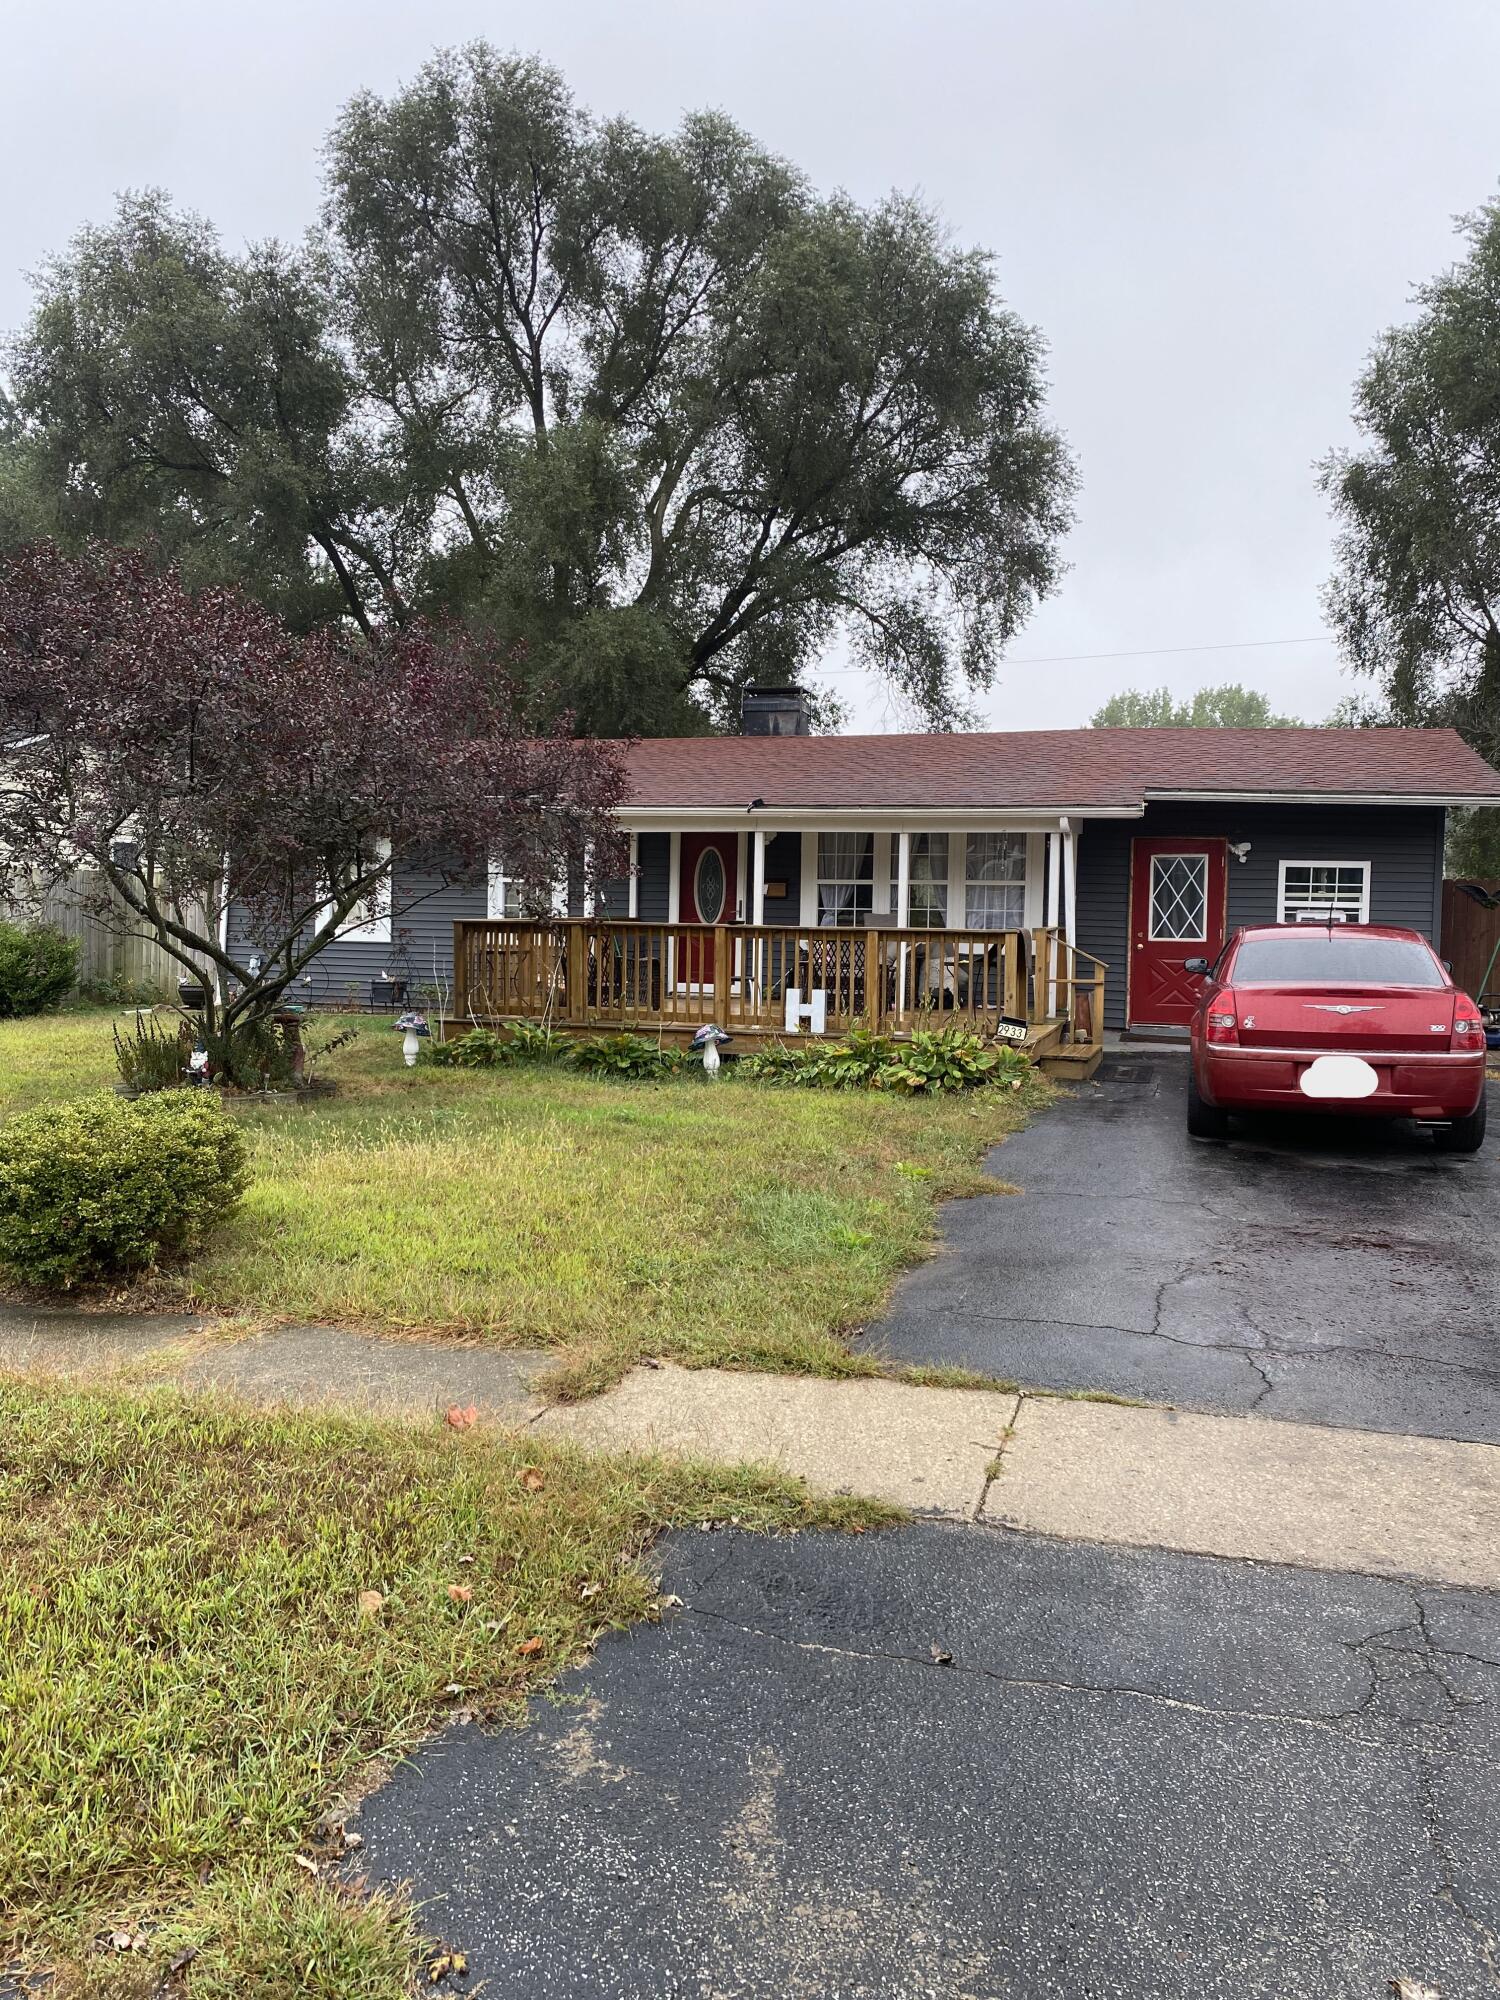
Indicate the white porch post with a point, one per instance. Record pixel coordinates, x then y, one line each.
1070 882
633 880
1054 884
903 914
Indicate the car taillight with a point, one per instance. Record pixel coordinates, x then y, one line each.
1468 1025
1221 1024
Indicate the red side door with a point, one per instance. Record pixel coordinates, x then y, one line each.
1177 895
707 893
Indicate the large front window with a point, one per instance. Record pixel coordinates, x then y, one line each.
846 877
928 889
995 881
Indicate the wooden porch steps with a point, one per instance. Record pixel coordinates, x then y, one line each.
1075 1063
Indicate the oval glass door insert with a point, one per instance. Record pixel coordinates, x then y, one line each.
708 886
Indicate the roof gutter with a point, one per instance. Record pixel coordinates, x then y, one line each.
1326 798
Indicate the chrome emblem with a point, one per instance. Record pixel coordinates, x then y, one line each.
1324 1007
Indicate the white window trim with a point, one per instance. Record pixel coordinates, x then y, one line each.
960 880
497 883
373 927
815 919
1362 866
886 865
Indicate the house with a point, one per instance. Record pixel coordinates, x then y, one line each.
1053 876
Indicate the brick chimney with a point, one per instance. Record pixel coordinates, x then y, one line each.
775 711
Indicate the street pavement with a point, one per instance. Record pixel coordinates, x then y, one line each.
949 1763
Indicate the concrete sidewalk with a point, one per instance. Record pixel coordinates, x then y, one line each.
1238 1486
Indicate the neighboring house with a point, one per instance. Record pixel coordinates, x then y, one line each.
1138 848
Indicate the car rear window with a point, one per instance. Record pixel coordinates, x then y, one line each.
1320 959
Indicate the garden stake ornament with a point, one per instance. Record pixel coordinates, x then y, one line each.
707 1041
412 1027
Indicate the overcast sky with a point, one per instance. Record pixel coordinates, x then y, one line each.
1210 209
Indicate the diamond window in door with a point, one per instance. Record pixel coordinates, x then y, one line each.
1179 898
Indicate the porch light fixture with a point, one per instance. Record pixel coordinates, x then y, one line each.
1240 849
411 1027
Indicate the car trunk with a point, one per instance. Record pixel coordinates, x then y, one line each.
1397 1019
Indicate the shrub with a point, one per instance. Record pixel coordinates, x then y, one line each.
533 1041
148 1058
932 1060
481 1048
781 1062
629 1056
937 1059
37 967
105 1186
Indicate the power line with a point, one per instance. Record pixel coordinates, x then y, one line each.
1147 653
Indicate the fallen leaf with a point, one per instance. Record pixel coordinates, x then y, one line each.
462 1416
447 1964
183 1960
529 1646
533 1480
589 1590
460 1592
370 1602
941 1657
1414 1989
353 1841
671 1602
466 1559
306 1862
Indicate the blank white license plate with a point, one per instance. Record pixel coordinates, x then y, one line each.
1340 1076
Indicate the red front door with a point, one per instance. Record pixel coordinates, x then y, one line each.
708 893
1176 913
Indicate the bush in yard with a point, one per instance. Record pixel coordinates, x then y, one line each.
106 1186
629 1056
481 1048
931 1061
952 1059
150 1058
38 965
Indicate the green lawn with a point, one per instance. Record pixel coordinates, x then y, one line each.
726 1223
189 1679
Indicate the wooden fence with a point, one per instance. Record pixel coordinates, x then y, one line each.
1470 934
112 953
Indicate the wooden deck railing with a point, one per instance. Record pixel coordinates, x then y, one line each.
601 973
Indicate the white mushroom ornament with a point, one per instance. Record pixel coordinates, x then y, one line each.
706 1042
411 1027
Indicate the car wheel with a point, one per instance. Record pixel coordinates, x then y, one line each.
1464 1135
1204 1121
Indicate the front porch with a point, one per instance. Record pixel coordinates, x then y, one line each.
756 981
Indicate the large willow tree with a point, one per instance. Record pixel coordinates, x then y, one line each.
647 404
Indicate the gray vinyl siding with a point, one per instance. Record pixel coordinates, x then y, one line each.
425 910
1403 845
784 864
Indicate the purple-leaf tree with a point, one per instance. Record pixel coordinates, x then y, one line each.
169 749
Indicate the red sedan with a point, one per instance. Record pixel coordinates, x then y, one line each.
1358 1019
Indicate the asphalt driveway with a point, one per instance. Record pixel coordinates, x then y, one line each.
1130 1775
1346 1275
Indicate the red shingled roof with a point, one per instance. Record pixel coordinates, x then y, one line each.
1054 769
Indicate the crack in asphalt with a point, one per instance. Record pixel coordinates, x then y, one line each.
1487 1375
1428 1746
